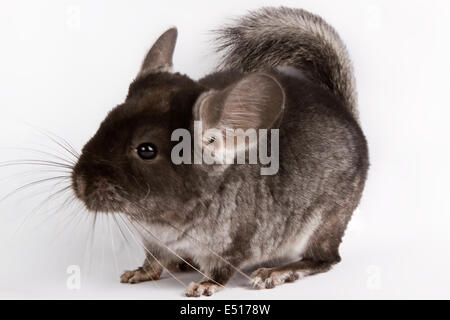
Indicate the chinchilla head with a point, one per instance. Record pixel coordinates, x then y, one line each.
128 165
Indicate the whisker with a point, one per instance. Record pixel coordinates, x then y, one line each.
151 254
215 254
127 244
74 152
35 162
91 239
34 171
120 230
174 253
87 256
53 137
74 214
36 209
80 213
202 244
67 161
113 246
56 150
102 265
146 259
56 194
33 184
45 191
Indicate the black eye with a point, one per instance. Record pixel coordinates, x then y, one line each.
147 151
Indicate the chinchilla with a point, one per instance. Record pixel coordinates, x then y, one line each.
284 70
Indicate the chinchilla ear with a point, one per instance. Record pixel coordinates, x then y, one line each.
239 111
159 58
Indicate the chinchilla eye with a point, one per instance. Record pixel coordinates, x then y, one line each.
147 151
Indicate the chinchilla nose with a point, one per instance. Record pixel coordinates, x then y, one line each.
80 186
102 185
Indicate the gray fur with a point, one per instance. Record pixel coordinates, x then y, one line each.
226 218
272 37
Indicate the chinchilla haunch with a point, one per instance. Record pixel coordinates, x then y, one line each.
286 73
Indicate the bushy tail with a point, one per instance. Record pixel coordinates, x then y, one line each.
272 37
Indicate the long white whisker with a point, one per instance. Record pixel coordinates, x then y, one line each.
151 254
128 251
204 246
35 162
147 260
176 254
36 209
74 214
46 153
139 245
65 145
113 246
216 254
91 241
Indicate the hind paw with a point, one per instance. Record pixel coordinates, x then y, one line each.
268 278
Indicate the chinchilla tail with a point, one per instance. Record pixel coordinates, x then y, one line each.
272 37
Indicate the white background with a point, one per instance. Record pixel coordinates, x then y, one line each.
64 64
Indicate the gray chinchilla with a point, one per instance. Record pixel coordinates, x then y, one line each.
283 69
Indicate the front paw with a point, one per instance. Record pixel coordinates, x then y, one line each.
140 275
206 288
